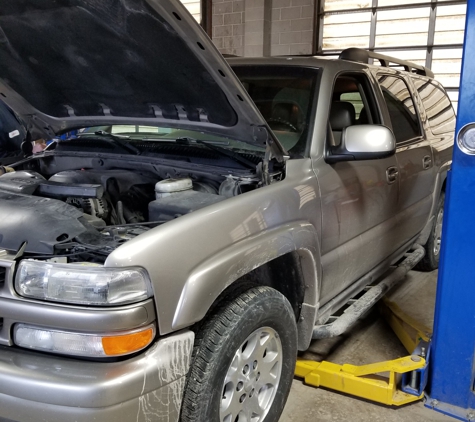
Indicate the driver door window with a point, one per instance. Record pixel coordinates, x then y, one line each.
352 104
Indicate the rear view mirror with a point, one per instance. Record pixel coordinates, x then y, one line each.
363 142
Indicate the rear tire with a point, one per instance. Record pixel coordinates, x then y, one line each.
243 360
430 261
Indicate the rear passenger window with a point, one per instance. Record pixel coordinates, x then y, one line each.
401 108
440 112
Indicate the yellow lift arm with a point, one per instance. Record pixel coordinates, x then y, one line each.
384 382
365 381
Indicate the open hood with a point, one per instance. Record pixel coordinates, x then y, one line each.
78 63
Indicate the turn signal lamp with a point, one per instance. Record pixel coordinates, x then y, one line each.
80 344
127 343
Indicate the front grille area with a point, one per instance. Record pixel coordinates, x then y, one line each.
6 293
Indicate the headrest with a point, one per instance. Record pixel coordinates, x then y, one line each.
342 114
363 119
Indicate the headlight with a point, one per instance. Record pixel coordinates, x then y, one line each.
79 344
82 284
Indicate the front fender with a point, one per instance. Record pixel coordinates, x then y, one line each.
191 259
210 278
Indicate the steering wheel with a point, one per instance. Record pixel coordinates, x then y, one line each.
284 123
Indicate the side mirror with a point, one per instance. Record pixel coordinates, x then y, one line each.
363 142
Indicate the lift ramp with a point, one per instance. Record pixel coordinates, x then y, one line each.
409 310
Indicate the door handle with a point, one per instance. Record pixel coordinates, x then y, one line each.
426 162
391 174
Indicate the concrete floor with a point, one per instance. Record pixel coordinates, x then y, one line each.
371 340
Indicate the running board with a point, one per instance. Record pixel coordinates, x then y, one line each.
342 323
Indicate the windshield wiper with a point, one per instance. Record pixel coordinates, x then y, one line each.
118 140
223 151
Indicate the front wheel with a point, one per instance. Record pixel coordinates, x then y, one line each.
243 360
430 261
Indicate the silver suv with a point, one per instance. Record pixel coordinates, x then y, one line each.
188 230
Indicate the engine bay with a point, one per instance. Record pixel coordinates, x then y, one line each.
83 214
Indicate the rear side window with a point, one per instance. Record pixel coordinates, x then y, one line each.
402 111
440 113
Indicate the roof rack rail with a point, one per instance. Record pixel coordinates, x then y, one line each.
362 56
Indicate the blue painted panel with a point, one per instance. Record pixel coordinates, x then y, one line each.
453 352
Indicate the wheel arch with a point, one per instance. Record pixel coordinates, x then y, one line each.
439 187
444 183
291 251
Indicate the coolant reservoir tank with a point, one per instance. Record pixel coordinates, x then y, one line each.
168 187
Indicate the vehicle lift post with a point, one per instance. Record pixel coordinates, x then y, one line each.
451 387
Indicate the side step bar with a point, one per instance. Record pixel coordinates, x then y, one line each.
349 317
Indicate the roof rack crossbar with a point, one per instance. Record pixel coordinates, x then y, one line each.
363 56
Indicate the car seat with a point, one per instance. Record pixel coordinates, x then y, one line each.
342 114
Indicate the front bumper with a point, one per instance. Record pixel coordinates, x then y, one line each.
42 388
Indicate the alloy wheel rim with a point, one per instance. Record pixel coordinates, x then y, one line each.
252 379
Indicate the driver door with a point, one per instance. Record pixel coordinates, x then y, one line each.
359 198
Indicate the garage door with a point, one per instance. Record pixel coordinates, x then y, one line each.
429 33
194 7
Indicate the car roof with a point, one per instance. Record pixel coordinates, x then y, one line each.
333 64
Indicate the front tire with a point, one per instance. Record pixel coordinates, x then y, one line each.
243 360
430 261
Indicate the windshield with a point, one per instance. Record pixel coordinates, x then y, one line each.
284 96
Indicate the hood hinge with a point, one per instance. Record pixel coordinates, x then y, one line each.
273 150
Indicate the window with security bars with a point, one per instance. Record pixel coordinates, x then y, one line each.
429 33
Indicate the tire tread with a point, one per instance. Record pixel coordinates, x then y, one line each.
430 261
213 333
